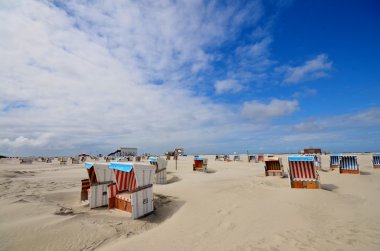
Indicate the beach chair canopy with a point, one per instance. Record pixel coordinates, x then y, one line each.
198 158
103 173
152 159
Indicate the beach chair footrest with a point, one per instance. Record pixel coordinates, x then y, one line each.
305 184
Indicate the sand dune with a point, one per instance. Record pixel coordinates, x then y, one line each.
235 207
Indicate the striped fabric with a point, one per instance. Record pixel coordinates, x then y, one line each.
92 175
302 171
376 159
85 185
112 190
272 165
124 196
335 159
125 181
349 163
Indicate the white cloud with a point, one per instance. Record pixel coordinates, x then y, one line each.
228 85
22 141
310 70
84 74
275 108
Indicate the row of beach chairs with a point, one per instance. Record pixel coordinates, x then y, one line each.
127 186
303 170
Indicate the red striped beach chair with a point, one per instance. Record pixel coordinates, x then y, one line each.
160 164
349 165
376 160
132 190
200 164
274 167
303 173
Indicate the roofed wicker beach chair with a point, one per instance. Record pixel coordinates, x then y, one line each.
160 164
335 160
132 190
260 158
274 167
236 157
94 189
200 164
349 164
251 158
303 173
28 160
376 160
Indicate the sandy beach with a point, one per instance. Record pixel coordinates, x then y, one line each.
233 207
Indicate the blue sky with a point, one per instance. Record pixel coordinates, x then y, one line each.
209 76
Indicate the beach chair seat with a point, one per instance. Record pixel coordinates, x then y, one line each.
349 165
376 160
303 173
274 167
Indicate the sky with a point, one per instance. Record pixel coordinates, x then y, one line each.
209 76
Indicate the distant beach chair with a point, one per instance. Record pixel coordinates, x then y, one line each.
27 161
335 160
200 164
251 158
259 158
376 160
76 160
236 158
94 189
160 164
274 167
226 158
303 173
63 161
132 188
349 164
219 157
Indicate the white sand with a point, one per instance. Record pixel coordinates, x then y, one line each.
233 208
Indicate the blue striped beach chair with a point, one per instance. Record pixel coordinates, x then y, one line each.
376 160
349 164
335 160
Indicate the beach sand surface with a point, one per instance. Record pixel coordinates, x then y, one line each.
233 207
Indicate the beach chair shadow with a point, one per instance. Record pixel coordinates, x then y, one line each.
364 173
329 187
211 170
173 179
165 206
